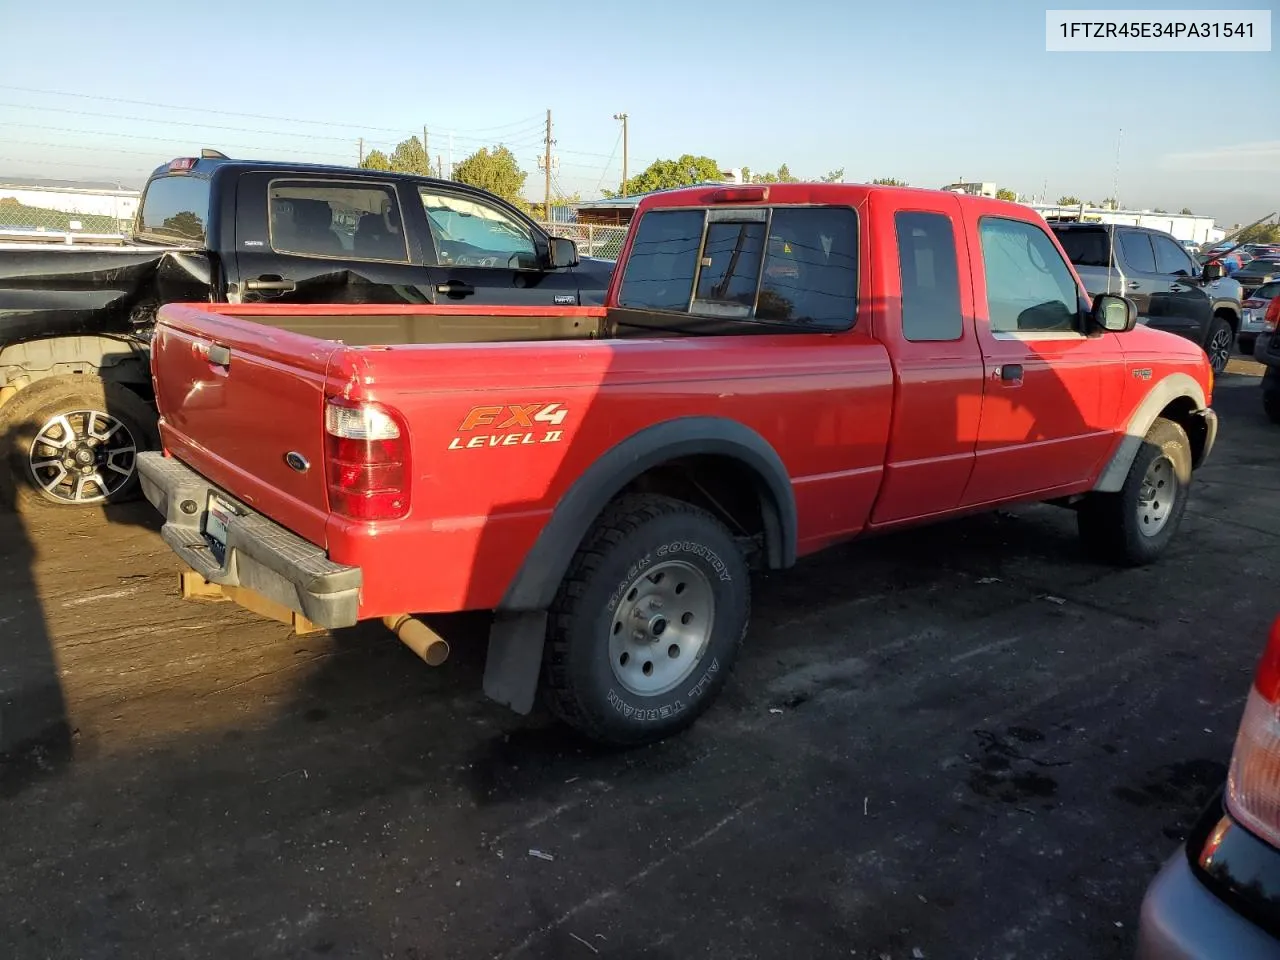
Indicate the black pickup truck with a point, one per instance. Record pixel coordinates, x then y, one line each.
75 321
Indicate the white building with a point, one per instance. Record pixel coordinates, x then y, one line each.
1197 230
120 204
973 189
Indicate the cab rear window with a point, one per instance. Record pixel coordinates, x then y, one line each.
175 208
789 265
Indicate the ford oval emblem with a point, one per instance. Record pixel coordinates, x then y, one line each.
297 461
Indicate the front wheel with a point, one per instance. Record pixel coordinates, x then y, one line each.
1133 526
647 622
73 442
1218 344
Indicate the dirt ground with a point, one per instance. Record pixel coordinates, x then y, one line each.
965 740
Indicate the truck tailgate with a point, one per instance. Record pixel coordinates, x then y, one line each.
235 398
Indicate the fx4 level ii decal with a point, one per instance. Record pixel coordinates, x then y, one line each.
510 425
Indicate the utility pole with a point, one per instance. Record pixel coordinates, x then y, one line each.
439 166
623 118
361 163
546 203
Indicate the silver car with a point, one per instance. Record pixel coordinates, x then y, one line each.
1218 898
1252 318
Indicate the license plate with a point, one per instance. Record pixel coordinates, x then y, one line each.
217 517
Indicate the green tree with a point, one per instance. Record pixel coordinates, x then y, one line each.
495 170
784 175
1006 194
665 174
410 157
1262 233
376 160
1186 212
1160 210
1069 201
1112 203
890 182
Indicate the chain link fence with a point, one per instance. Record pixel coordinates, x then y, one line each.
21 219
593 240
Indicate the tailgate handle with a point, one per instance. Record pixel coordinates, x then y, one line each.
219 355
271 283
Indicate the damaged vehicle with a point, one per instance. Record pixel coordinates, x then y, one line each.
76 401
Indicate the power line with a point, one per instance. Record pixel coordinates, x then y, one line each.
608 163
210 126
253 116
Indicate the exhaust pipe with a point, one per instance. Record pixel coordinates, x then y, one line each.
418 637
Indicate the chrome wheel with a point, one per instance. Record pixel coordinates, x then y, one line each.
82 456
1219 349
1156 499
661 628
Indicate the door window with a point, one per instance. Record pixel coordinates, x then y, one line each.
1171 258
1030 289
1137 251
930 281
471 233
345 221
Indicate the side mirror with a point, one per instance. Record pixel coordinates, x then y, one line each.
1114 313
1213 270
564 253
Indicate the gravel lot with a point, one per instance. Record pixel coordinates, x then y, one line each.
964 740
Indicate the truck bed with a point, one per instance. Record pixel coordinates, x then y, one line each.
503 416
49 290
392 324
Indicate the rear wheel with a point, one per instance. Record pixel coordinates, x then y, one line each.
1217 345
1136 524
73 442
647 623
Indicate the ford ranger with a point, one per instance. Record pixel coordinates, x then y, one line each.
775 369
75 320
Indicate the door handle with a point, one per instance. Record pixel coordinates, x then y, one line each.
1133 285
271 283
218 355
1010 373
455 288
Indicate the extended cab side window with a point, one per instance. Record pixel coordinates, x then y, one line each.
1171 258
1136 247
930 280
471 233
346 221
794 266
1030 288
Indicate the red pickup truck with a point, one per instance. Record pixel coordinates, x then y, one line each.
775 370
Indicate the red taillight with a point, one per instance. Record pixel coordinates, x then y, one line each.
366 460
741 195
1253 785
182 163
1255 302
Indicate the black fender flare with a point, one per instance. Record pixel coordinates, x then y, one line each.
534 585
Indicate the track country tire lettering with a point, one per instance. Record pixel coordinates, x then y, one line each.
653 574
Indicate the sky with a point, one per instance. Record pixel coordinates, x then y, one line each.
927 92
